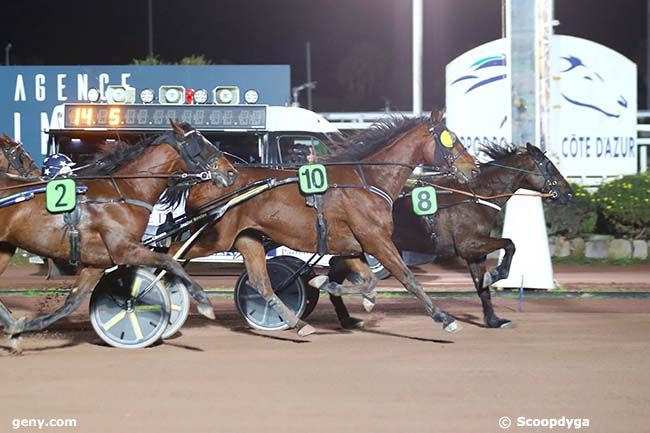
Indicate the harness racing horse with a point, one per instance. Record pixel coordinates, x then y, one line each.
122 188
357 209
462 225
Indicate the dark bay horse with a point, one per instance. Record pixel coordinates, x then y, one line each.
462 225
357 209
114 215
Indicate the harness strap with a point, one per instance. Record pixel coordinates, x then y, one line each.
130 201
316 201
71 220
381 193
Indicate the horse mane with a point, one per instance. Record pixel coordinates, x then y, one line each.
379 135
120 154
499 152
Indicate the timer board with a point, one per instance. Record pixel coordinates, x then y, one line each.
142 117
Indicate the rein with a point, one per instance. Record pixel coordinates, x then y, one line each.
484 197
201 176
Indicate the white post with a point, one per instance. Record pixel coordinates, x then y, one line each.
417 56
528 27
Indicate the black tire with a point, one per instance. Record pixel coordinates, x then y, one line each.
295 294
377 268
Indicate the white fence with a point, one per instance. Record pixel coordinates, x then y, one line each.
362 120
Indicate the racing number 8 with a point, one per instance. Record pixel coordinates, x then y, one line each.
313 178
424 200
60 195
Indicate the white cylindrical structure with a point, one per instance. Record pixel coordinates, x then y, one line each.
417 56
525 226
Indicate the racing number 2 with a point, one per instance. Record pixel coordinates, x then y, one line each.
424 200
60 195
313 178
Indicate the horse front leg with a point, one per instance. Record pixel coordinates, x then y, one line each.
7 251
385 251
477 270
252 249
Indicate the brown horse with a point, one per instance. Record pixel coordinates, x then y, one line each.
463 223
113 215
357 208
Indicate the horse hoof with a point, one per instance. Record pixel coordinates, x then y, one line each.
206 310
452 327
505 323
487 280
499 323
17 327
368 304
352 323
319 281
306 330
16 344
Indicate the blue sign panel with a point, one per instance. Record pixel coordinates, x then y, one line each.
28 94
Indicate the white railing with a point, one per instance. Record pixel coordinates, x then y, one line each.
643 139
363 120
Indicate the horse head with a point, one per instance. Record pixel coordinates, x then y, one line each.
200 155
545 177
447 151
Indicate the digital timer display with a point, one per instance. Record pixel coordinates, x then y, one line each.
139 117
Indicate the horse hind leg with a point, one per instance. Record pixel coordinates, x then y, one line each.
491 320
252 249
355 270
340 269
87 280
133 253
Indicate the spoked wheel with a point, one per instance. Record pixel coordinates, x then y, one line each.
123 314
180 306
290 287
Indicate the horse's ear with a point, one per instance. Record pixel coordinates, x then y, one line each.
533 149
437 116
176 127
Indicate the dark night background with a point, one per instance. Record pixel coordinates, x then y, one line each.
361 49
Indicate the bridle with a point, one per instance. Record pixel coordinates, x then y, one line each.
15 155
445 140
199 156
550 182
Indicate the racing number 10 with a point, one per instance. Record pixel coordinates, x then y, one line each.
424 200
313 178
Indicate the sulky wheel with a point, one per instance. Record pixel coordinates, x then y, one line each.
290 287
180 306
123 315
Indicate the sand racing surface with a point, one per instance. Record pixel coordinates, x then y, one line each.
583 358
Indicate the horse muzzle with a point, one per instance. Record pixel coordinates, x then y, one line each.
222 179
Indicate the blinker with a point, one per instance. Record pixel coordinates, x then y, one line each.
446 139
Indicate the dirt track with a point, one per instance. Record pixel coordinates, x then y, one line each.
578 358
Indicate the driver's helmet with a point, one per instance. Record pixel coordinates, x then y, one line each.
56 164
